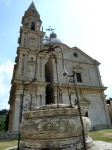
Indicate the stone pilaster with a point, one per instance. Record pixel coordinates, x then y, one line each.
43 99
20 65
39 43
16 120
106 110
38 66
22 39
25 66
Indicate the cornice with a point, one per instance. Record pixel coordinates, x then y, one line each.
27 30
19 81
82 86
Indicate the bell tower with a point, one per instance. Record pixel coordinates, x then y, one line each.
30 34
28 65
31 18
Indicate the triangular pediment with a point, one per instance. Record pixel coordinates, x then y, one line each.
76 55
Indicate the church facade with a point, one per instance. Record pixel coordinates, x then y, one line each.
43 89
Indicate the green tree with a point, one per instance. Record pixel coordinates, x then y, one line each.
2 123
7 122
4 118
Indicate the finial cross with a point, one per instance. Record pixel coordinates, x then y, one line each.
50 29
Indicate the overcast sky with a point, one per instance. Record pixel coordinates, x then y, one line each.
86 24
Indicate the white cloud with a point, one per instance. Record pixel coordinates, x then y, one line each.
6 2
6 70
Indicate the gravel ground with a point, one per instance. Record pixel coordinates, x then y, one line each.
100 145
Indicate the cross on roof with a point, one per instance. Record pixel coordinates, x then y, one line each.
50 29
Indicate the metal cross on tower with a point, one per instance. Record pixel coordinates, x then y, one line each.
50 29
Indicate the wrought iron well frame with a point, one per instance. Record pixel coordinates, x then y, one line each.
50 49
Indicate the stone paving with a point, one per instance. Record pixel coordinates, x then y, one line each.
100 145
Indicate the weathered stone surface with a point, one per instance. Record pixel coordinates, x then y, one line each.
51 127
75 143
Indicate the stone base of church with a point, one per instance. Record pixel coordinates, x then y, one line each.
49 127
101 126
12 134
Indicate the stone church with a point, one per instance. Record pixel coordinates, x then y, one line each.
42 90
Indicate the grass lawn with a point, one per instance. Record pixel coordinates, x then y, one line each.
6 143
100 135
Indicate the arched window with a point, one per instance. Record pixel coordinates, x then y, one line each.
32 25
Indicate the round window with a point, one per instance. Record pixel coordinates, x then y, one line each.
75 54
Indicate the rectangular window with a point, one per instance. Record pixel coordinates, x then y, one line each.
78 76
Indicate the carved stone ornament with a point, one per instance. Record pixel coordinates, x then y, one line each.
31 62
85 103
32 40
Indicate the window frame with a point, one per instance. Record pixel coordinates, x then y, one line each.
79 77
32 25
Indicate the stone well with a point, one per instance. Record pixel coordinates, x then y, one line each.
49 128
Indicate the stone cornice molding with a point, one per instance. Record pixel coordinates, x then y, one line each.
82 86
16 81
40 33
40 93
27 51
